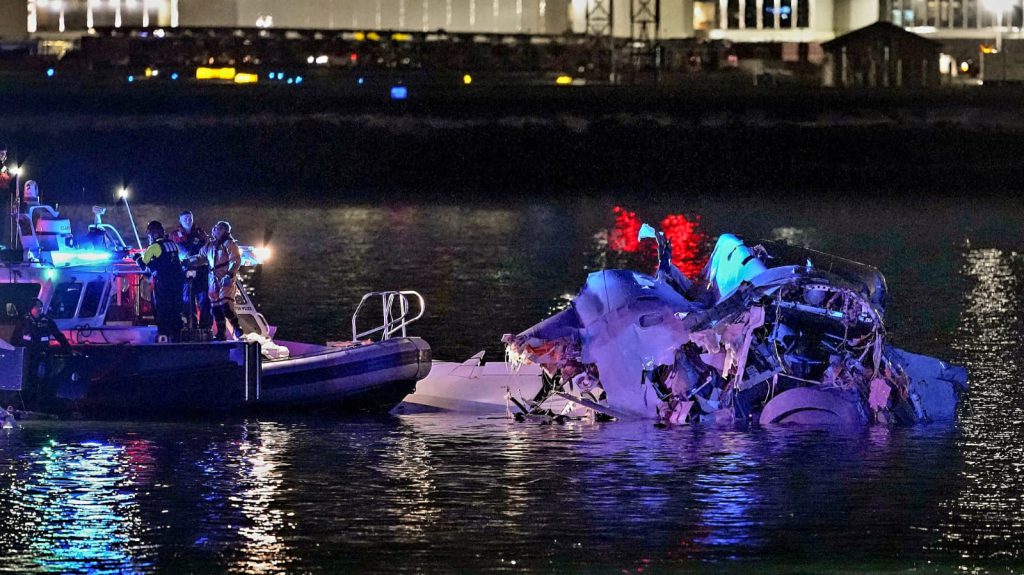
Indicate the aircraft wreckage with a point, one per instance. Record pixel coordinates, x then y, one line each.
768 333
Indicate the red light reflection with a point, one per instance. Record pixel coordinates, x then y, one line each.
687 240
684 234
623 237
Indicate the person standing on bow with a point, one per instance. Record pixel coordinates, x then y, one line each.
161 259
191 240
225 259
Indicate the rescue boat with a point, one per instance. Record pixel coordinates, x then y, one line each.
100 300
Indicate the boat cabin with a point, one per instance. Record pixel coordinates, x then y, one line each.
92 289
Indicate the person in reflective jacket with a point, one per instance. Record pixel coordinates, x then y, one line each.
191 239
37 330
35 333
162 261
225 259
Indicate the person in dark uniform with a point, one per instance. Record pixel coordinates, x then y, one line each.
191 239
162 261
35 333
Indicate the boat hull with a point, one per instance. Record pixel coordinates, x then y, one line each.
211 377
371 378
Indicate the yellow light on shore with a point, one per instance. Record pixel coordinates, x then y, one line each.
246 78
467 79
563 80
401 37
204 73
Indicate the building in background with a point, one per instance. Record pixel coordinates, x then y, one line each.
796 28
12 20
882 55
737 20
484 16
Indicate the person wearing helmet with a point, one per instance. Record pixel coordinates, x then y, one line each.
225 259
162 261
191 240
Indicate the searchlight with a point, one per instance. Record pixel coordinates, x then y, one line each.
262 254
123 195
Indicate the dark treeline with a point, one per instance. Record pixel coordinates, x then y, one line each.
450 148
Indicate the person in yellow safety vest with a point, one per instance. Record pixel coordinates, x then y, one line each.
162 261
225 260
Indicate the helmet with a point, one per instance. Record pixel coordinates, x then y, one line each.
155 229
36 302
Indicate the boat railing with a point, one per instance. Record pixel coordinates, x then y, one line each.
395 310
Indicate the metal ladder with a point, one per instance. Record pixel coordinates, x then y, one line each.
395 309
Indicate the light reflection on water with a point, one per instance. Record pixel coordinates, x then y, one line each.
986 516
70 508
456 494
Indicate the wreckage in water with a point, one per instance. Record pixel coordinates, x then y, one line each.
768 333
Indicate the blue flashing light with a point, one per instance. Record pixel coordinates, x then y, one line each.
131 78
50 72
79 257
360 81
280 75
298 79
270 76
399 92
174 76
290 81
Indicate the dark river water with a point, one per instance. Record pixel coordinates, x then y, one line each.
446 493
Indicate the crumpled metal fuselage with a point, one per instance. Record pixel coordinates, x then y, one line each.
768 333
